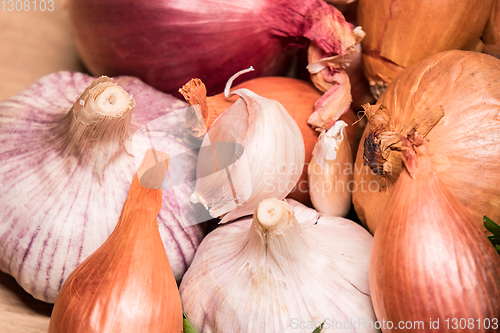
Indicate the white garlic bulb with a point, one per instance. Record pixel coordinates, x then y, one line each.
266 146
67 165
330 172
282 271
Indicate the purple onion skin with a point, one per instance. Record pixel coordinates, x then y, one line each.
167 43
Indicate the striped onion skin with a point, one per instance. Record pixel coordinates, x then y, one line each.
431 262
58 206
247 280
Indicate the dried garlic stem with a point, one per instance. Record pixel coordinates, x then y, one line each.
279 231
195 93
271 213
95 129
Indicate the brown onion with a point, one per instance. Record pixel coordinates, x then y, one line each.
453 99
431 267
127 284
166 43
400 33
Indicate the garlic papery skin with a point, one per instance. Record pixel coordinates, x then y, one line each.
330 172
66 170
268 156
297 96
287 269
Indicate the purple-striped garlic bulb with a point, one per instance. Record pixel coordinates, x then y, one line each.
67 164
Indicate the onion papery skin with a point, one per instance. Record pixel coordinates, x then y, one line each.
166 43
54 212
464 145
431 262
127 284
400 33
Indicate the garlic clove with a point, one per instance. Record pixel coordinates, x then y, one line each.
297 96
329 76
276 273
269 165
330 172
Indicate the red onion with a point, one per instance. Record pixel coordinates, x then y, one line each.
166 43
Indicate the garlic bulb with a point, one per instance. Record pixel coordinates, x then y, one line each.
65 173
330 172
282 271
266 152
297 96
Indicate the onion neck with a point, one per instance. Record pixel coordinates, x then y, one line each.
384 144
95 129
144 199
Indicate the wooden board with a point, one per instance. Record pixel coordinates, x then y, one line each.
33 44
19 311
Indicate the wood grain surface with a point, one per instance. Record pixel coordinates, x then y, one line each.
19 311
33 44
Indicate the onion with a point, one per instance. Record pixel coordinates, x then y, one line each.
491 35
400 33
166 43
453 99
430 264
127 284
